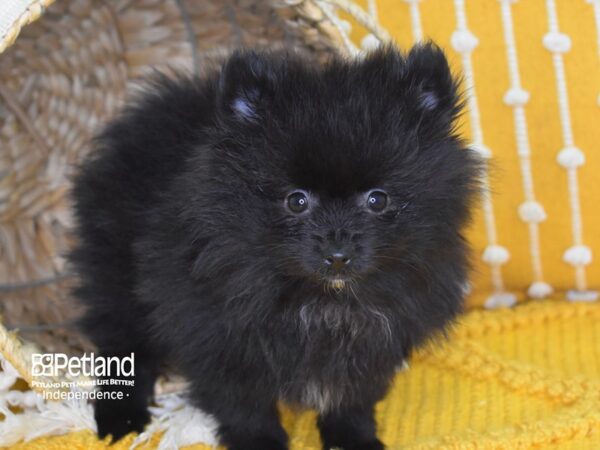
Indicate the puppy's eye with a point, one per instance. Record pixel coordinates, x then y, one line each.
297 202
377 201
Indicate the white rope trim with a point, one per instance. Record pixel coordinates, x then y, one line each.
570 157
495 255
596 5
372 8
415 19
377 34
362 17
339 26
530 211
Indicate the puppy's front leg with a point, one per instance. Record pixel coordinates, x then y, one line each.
349 428
253 430
248 420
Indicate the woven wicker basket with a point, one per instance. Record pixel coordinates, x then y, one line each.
66 74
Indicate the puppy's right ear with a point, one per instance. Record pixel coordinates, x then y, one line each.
430 80
245 85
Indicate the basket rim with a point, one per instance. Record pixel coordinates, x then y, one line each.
29 14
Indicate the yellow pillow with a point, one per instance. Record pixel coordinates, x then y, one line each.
534 68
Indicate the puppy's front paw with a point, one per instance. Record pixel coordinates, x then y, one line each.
261 443
371 445
119 419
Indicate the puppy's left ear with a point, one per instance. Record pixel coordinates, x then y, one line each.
430 81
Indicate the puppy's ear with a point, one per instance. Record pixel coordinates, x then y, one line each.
245 84
429 80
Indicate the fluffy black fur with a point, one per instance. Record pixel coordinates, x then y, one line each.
189 254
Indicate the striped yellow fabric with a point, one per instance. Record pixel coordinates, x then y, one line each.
516 378
532 79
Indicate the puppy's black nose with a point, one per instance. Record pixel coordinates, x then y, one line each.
337 260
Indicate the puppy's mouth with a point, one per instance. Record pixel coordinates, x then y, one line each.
337 283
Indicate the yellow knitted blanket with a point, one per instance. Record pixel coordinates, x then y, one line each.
522 378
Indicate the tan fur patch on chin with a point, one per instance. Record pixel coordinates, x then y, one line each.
337 284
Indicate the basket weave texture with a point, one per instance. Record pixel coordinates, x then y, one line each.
67 74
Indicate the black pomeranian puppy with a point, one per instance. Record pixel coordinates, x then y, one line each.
276 231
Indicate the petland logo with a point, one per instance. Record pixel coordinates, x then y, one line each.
52 364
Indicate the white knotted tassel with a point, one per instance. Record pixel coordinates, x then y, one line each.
570 157
500 300
539 289
496 255
578 255
532 212
463 41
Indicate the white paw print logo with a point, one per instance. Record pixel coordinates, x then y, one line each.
42 364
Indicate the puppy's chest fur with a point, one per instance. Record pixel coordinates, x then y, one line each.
341 353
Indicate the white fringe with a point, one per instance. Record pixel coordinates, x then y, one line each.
39 417
181 423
